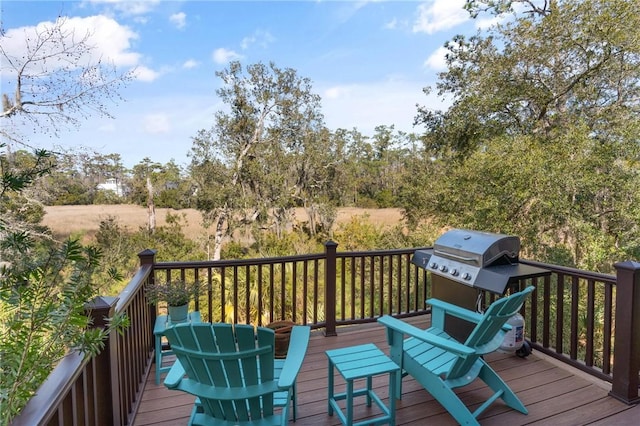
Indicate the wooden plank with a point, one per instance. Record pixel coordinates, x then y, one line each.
603 408
552 393
628 417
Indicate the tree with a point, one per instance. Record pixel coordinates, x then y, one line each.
53 80
245 165
542 137
571 61
171 189
44 285
76 176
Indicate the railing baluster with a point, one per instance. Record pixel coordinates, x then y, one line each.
352 282
363 293
223 292
294 285
591 289
260 294
316 268
372 294
560 314
272 289
575 296
606 346
305 292
546 312
247 294
341 287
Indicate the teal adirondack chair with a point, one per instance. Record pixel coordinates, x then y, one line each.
441 364
233 374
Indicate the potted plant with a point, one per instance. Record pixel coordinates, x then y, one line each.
283 335
176 294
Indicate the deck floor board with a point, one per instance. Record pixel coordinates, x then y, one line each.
553 394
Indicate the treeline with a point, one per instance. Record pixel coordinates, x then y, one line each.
539 139
371 172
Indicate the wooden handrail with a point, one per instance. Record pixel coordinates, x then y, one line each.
331 289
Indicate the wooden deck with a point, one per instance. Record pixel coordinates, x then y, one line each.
553 393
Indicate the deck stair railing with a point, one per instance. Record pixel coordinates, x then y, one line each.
590 321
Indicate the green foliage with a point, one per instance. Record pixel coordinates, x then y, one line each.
268 244
171 189
42 315
119 247
358 234
541 139
44 286
173 292
268 151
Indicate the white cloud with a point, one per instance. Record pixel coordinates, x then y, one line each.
128 7
259 37
336 92
146 74
156 123
440 15
223 56
109 127
110 42
179 20
392 24
191 63
437 60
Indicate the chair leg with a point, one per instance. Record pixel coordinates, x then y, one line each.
158 355
449 400
294 401
494 381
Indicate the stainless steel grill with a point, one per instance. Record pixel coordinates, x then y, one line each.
482 260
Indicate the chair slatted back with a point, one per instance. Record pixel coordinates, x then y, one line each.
486 336
230 368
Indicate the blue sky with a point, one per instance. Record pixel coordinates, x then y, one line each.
368 61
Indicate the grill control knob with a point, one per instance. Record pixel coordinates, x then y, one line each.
433 265
443 268
466 276
455 272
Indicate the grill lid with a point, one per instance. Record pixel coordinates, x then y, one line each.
477 248
478 259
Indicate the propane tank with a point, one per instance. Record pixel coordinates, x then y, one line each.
514 338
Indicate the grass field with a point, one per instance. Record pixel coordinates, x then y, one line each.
85 220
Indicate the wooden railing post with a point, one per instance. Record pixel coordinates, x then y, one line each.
626 364
148 257
107 410
330 248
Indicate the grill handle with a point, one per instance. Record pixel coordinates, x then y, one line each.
455 256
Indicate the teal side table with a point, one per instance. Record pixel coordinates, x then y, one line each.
162 322
361 362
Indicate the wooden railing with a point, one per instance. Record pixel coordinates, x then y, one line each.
320 290
571 318
581 318
104 390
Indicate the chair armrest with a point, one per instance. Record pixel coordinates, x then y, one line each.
174 376
298 344
459 312
455 310
410 330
